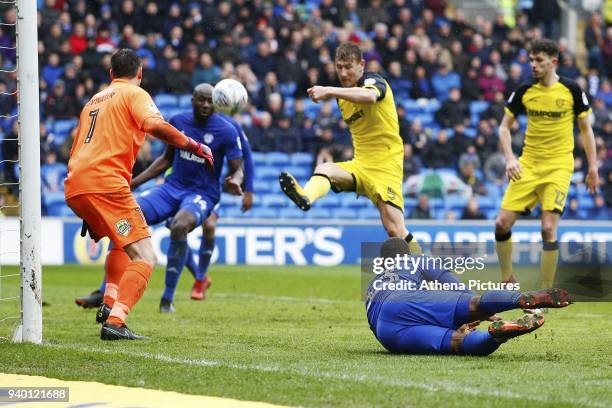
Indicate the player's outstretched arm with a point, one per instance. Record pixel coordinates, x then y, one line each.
588 141
234 180
354 94
513 167
164 131
159 165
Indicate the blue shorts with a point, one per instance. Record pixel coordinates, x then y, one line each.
162 202
420 322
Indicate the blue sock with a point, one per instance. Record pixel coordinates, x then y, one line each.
102 287
479 343
206 250
177 257
191 263
495 301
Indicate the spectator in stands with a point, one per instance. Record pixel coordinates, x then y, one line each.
52 173
601 114
469 177
495 168
262 136
444 81
607 188
571 210
418 137
495 111
470 91
421 87
287 137
10 155
594 34
421 211
52 71
439 153
176 80
489 83
600 211
453 111
46 140
515 78
400 85
270 86
472 210
568 68
60 104
412 163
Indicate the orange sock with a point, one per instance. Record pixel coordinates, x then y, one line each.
131 288
117 262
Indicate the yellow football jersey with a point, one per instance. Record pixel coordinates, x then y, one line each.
374 127
551 112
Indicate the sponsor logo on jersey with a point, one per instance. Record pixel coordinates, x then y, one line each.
123 227
560 103
190 156
546 114
354 117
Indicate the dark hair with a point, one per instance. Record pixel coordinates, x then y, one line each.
548 47
125 63
393 247
348 51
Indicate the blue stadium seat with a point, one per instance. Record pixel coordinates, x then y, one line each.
174 112
485 203
426 119
234 212
585 203
470 132
258 158
264 213
477 107
348 200
262 187
267 173
456 202
345 213
291 212
184 101
274 201
277 158
411 106
369 213
436 203
301 159
329 201
63 127
299 172
166 101
319 213
229 199
288 88
432 106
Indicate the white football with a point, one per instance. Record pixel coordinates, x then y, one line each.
229 96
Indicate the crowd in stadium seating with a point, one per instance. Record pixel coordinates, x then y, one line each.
450 79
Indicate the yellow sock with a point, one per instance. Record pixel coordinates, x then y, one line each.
316 187
548 264
503 246
413 245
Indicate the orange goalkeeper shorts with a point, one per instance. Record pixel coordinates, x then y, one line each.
115 215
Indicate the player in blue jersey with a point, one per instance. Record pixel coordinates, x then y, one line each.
416 321
212 195
190 192
207 244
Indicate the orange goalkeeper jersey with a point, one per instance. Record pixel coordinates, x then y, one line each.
108 138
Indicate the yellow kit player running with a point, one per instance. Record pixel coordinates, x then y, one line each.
367 106
543 172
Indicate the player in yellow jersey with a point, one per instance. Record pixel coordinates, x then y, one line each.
367 106
543 172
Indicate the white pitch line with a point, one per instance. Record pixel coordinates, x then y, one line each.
254 296
455 387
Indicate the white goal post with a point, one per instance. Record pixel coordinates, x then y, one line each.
30 327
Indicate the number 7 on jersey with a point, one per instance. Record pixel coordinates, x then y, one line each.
94 116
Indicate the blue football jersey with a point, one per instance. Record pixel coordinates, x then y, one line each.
249 168
188 170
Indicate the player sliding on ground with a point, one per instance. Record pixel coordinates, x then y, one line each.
366 102
112 127
544 170
444 322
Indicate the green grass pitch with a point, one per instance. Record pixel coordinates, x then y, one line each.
298 336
